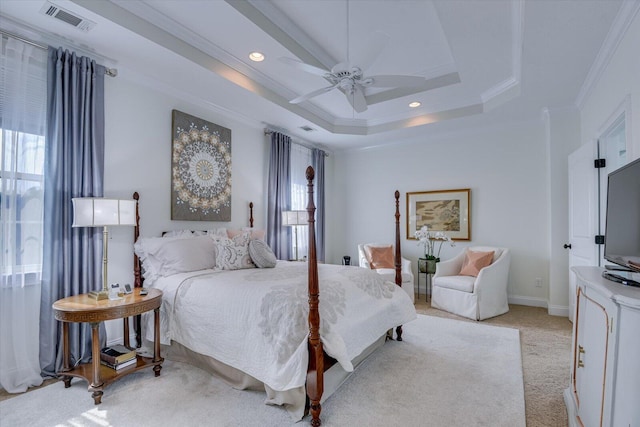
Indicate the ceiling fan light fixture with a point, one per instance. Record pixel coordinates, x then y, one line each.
256 56
415 104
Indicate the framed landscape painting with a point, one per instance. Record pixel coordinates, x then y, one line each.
444 210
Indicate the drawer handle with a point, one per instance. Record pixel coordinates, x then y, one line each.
580 353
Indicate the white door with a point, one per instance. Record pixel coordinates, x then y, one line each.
612 146
583 213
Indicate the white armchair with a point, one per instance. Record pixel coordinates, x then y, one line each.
476 298
390 273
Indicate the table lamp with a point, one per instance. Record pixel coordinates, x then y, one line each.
98 212
294 219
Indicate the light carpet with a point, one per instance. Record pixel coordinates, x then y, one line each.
444 373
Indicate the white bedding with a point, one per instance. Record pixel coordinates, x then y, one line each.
256 320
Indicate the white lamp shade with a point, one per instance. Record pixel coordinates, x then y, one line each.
98 212
292 218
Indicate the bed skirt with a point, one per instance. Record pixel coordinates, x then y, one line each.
293 400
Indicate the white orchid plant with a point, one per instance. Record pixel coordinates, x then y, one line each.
432 242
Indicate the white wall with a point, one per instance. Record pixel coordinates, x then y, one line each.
563 137
620 79
138 158
506 170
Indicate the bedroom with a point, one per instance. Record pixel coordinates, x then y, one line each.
521 162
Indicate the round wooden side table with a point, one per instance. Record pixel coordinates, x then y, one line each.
84 309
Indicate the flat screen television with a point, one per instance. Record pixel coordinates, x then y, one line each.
622 235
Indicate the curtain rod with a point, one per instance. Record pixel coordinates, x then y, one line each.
111 72
270 131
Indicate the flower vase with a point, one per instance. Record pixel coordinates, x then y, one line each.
431 266
427 266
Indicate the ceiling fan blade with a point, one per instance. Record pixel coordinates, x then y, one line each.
396 81
377 42
304 67
356 99
311 94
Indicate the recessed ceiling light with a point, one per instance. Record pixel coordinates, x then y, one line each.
256 57
415 104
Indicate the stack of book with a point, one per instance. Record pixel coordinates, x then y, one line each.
118 356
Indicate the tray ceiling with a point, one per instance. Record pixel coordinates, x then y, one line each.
473 55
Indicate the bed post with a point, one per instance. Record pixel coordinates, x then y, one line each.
315 371
398 256
251 214
137 273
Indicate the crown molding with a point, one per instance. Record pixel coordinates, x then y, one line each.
463 132
163 31
510 87
27 31
618 30
275 23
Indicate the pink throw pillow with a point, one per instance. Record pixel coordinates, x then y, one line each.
474 262
379 256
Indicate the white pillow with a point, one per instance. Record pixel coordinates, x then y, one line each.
261 254
183 255
178 233
222 232
158 261
233 254
144 247
217 232
254 233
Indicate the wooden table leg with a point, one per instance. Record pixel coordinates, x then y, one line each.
126 332
65 354
96 383
156 341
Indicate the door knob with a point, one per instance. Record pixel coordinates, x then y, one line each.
567 246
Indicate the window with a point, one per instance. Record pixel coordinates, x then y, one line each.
300 159
22 144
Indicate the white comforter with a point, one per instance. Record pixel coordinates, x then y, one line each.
256 320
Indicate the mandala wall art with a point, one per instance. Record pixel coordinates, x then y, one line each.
200 170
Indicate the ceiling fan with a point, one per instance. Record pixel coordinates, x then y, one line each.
350 79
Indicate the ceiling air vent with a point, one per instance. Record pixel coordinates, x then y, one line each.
70 18
307 128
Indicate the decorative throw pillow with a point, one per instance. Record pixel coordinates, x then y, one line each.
261 254
254 232
233 254
474 262
379 256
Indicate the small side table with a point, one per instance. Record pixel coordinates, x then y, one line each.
82 308
422 263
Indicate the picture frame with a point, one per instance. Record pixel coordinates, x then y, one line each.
200 169
448 211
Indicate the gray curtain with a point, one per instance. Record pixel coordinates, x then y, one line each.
317 161
279 195
74 167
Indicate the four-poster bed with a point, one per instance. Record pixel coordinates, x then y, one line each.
331 347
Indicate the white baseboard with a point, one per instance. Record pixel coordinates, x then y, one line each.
553 310
529 301
558 310
118 340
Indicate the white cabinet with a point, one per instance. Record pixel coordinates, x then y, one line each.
605 366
